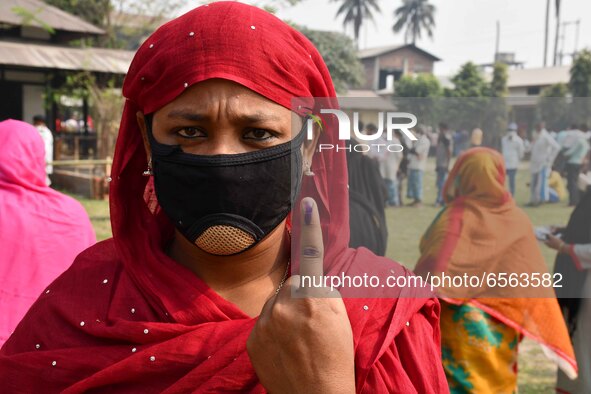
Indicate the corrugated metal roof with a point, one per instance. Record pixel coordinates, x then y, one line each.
372 52
52 16
65 58
377 51
542 76
364 100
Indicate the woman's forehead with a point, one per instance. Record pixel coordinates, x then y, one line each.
207 100
209 95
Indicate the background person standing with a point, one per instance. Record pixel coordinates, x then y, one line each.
513 150
417 162
388 163
575 152
47 136
544 150
443 153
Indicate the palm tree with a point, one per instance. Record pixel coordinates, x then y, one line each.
356 11
415 16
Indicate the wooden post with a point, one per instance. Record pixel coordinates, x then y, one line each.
108 167
76 147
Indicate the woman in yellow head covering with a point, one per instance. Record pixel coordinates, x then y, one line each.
484 239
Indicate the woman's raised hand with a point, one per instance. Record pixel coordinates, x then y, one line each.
302 341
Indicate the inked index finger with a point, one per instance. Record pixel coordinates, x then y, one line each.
312 247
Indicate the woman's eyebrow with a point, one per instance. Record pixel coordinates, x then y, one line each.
187 115
248 118
258 117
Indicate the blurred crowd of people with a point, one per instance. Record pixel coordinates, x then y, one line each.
556 159
553 155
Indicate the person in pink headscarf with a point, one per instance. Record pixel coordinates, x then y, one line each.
41 230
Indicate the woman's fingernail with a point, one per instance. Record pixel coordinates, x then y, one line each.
307 212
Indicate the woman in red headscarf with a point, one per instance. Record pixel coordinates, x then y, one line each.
192 294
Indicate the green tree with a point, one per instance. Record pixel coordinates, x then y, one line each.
101 13
552 106
414 16
580 86
92 11
467 104
355 12
468 82
419 96
100 91
580 75
497 115
498 85
421 85
340 56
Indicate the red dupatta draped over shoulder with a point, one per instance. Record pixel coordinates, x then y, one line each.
127 318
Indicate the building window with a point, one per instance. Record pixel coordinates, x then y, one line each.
533 91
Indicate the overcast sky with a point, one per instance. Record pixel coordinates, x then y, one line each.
465 29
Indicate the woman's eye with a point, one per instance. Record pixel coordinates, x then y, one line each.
191 132
258 134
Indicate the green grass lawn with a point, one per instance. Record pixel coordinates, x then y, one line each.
406 225
98 211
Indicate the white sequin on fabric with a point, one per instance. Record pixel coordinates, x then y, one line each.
152 358
105 281
191 34
146 331
133 350
54 363
253 27
365 307
82 324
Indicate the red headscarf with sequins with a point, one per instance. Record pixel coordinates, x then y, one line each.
127 318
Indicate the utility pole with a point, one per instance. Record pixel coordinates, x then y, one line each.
562 38
497 41
562 52
546 32
578 23
557 3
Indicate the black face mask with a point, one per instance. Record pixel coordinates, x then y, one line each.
225 204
